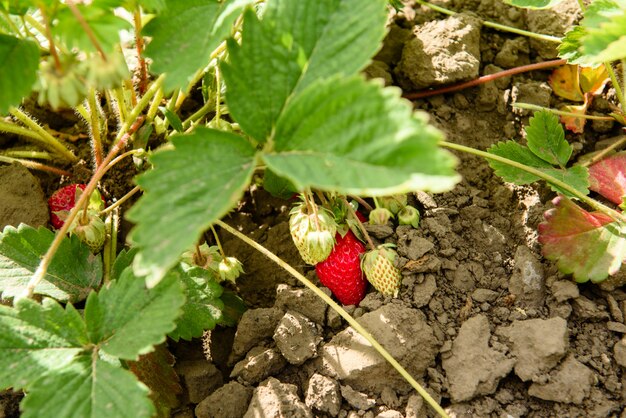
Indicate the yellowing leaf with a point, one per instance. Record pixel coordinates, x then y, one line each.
565 82
593 80
573 123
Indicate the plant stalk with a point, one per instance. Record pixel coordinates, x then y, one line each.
359 224
143 67
42 269
94 125
562 185
86 28
40 133
120 201
616 85
35 165
141 105
601 154
529 106
37 155
494 25
485 79
335 306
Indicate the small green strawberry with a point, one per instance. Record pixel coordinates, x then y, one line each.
380 269
313 234
92 232
230 268
409 216
380 216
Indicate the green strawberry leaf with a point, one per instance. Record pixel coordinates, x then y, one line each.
203 308
234 307
88 387
126 320
19 60
156 370
533 4
37 339
576 177
608 177
190 187
278 186
588 245
605 25
104 25
124 259
546 139
570 47
185 34
73 272
354 137
296 44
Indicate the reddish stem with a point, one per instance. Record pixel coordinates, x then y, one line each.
485 79
53 49
143 68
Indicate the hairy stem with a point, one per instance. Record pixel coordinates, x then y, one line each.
359 224
94 127
143 67
141 105
494 25
83 200
35 165
485 79
616 85
335 306
83 24
560 112
110 246
48 33
120 201
218 242
37 155
41 134
552 180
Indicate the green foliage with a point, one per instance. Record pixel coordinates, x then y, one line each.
47 346
546 147
192 185
72 274
203 308
185 34
19 59
533 4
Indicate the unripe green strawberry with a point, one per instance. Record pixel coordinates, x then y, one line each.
409 216
105 74
65 88
313 234
92 233
394 203
230 268
380 269
380 216
206 257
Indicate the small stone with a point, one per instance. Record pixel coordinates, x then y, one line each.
231 400
555 20
333 319
587 309
303 301
537 345
616 327
527 282
472 367
532 92
514 53
273 399
570 384
412 246
614 309
323 395
390 413
259 363
357 399
297 338
379 231
389 398
415 407
255 326
619 351
423 292
200 377
564 290
484 295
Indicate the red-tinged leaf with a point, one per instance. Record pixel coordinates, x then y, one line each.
565 82
588 245
573 123
593 80
608 177
156 370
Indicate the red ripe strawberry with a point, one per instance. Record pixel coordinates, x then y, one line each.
341 271
62 201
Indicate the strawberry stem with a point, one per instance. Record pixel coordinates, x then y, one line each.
217 241
601 154
529 106
337 308
484 79
359 224
109 250
48 34
143 67
362 202
120 202
550 179
94 127
35 165
616 85
494 25
86 28
40 273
